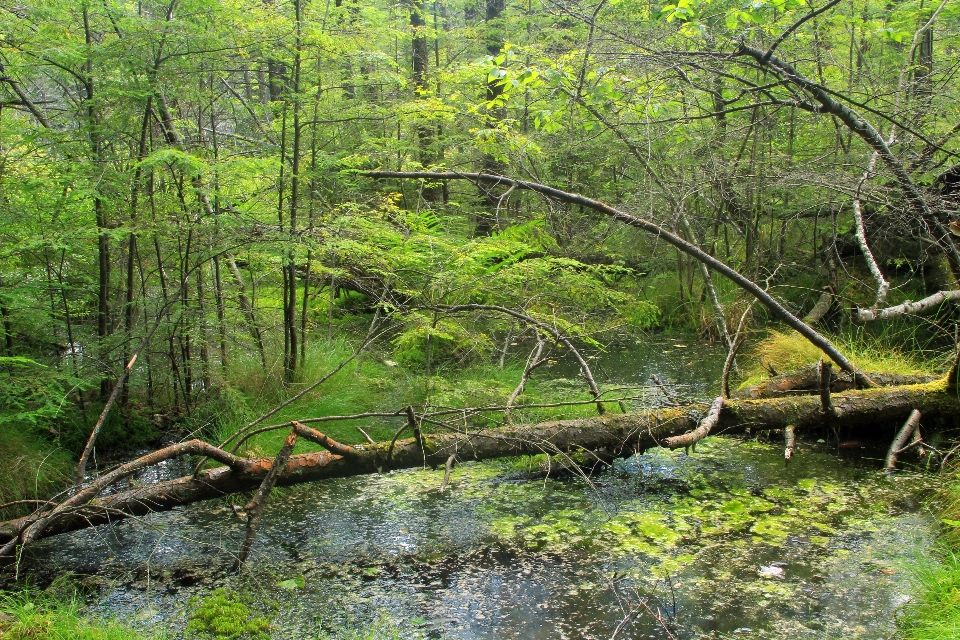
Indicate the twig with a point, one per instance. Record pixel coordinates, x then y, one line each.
365 435
447 472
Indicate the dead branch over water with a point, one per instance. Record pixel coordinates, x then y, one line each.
619 435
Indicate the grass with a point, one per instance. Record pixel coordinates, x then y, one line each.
376 385
788 350
935 613
36 615
32 469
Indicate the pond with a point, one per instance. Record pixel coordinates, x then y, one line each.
727 542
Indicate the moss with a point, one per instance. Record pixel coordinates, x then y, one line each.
223 614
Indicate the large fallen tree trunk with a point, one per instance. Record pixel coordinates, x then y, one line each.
618 435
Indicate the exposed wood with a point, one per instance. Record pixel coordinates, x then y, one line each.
920 307
622 435
899 443
821 308
702 430
790 440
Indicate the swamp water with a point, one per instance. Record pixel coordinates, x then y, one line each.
723 543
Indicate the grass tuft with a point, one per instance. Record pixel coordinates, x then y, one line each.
32 470
787 351
36 615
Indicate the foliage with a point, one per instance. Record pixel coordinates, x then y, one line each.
223 614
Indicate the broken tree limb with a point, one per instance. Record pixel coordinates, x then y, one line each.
824 371
622 435
34 527
899 443
448 469
821 308
777 309
927 305
702 430
790 440
255 507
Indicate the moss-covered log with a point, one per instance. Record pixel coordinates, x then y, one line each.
619 435
805 380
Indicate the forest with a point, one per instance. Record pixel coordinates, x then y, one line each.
479 319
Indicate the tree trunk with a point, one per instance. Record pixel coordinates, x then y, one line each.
616 434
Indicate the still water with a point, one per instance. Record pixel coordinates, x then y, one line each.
724 543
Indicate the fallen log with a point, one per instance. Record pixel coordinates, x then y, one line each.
621 434
806 380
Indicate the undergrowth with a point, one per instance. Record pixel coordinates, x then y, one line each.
935 613
35 615
32 469
787 351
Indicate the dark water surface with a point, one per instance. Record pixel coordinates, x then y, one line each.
724 543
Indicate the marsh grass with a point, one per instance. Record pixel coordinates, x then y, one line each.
377 385
36 615
32 469
787 351
935 613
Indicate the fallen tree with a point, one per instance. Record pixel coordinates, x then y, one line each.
806 379
615 435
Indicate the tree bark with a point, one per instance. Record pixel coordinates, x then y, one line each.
620 434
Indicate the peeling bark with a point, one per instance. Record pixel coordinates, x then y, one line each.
927 305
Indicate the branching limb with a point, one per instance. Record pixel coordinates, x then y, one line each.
701 432
898 445
927 305
738 339
559 337
776 309
533 361
882 285
255 507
